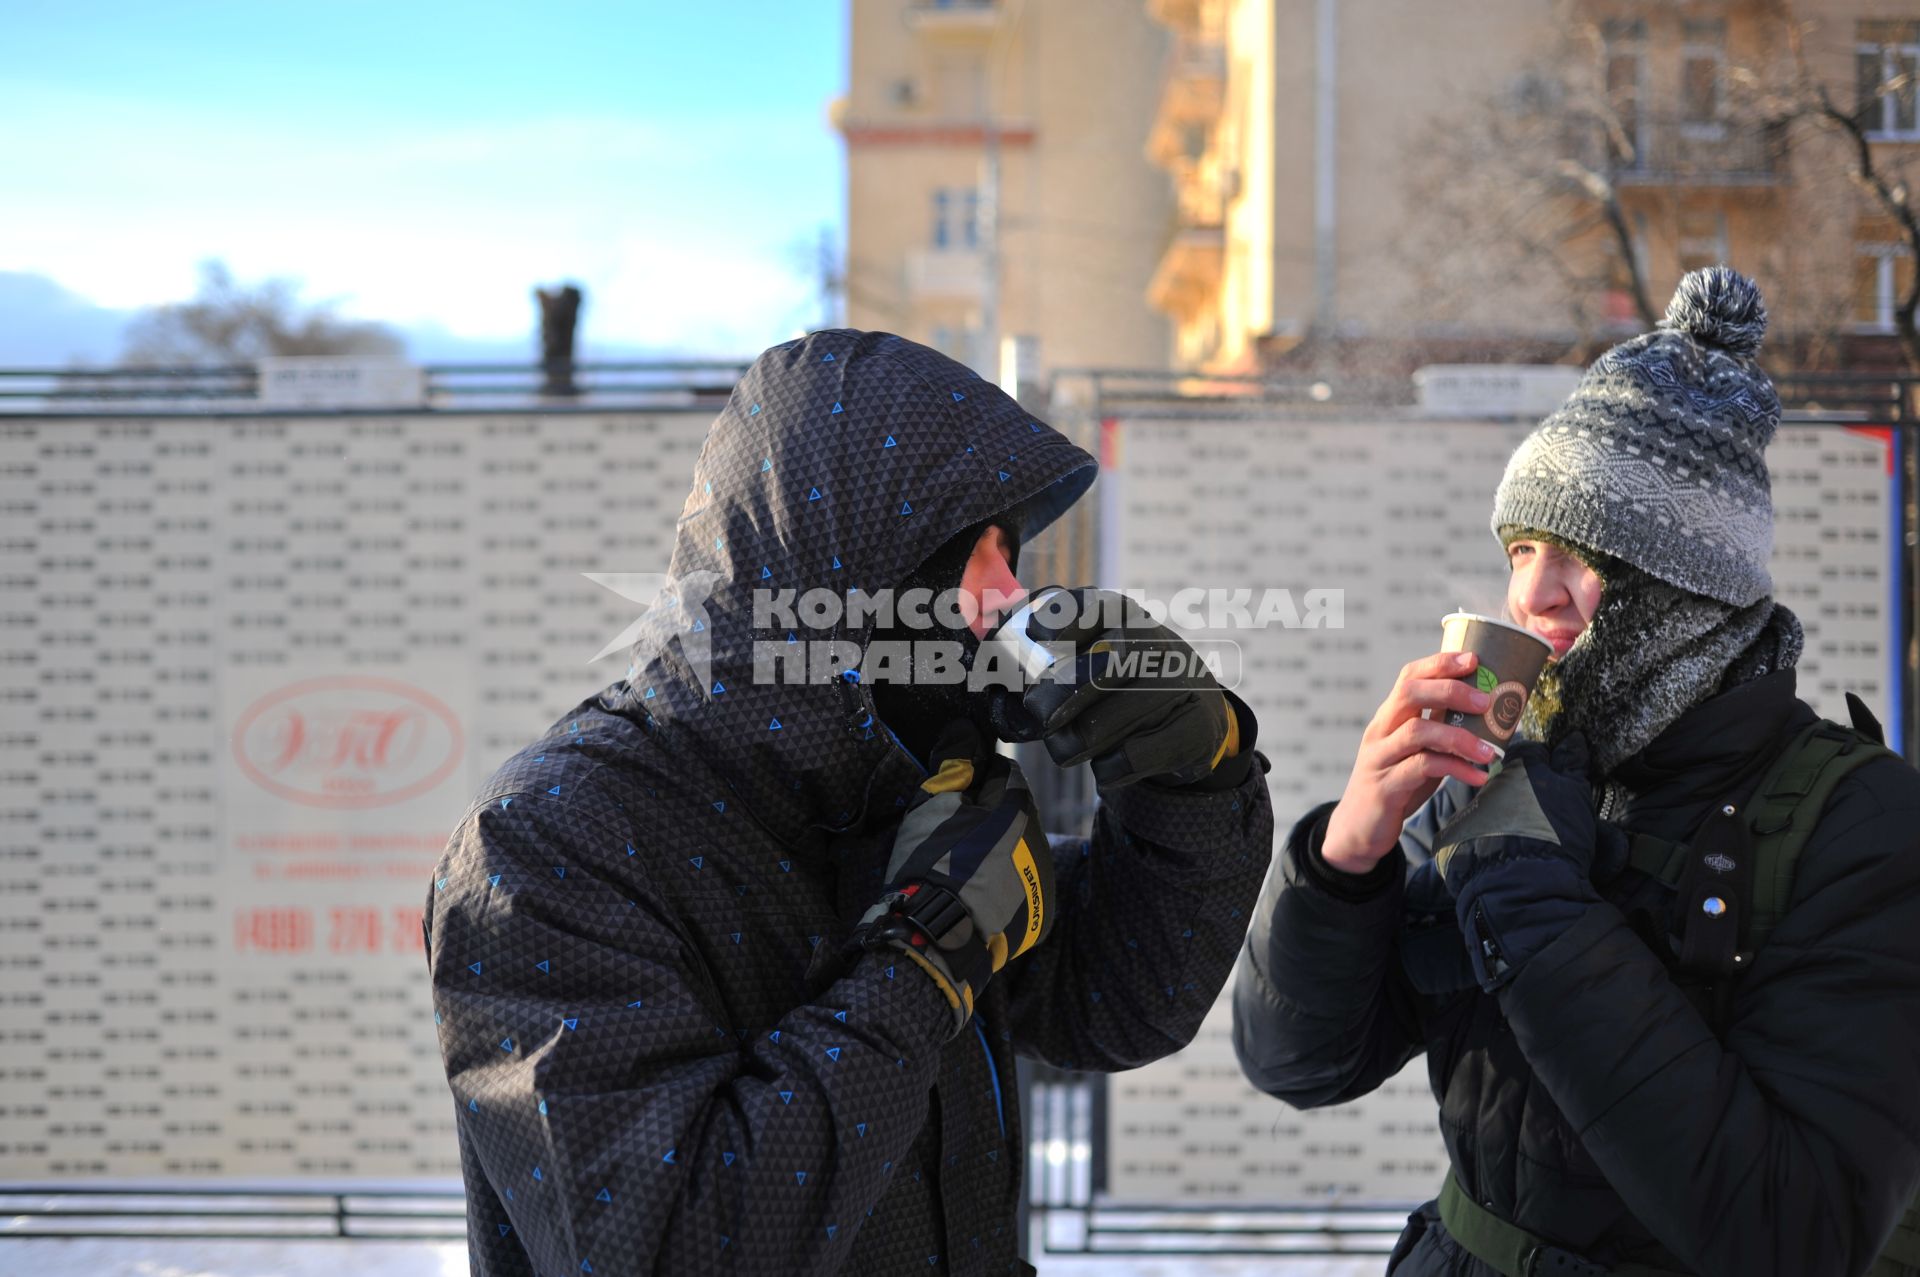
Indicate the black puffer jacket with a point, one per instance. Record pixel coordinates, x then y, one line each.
660 1060
1589 1101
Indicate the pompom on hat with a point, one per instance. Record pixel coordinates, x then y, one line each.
1658 457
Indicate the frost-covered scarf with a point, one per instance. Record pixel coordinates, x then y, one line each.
1651 653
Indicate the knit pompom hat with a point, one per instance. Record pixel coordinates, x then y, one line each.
1658 457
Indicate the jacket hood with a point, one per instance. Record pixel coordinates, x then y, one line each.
841 462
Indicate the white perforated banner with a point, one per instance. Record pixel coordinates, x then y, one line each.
253 671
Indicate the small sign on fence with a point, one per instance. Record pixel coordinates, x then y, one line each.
309 382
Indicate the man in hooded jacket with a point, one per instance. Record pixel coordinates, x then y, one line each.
1605 1108
665 1055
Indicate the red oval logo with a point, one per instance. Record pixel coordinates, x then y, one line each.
347 741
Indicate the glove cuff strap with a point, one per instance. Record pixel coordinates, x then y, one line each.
930 926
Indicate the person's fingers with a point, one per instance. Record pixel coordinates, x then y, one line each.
1445 693
1401 703
1447 767
1418 735
1107 721
1420 774
1439 665
1058 699
1177 747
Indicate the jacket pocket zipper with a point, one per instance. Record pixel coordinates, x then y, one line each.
1496 966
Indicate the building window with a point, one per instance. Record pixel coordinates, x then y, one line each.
1702 240
1887 64
1703 59
956 217
1882 274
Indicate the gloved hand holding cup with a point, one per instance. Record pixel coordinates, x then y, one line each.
1106 684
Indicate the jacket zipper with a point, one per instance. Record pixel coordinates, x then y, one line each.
999 1105
1607 792
1489 947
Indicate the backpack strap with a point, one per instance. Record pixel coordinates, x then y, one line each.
1511 1250
1661 859
1789 804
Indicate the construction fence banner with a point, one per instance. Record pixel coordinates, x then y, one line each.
252 669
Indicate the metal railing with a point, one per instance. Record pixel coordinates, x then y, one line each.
1137 392
1882 399
1669 151
427 1211
456 387
1889 399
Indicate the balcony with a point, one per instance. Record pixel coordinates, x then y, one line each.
1200 190
1193 90
1671 152
1188 277
1196 80
1194 18
946 274
955 18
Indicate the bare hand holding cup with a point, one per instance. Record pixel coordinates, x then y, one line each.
1403 758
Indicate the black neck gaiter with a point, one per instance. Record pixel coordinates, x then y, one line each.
918 712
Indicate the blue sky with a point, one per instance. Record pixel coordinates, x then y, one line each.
427 163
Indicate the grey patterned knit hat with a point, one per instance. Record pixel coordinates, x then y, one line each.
1658 458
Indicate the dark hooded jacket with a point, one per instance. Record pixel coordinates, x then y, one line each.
1590 1100
660 1057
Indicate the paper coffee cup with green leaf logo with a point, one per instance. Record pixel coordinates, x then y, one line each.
1510 663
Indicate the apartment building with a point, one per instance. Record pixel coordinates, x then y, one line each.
1396 182
999 196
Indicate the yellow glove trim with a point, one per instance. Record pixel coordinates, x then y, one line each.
955 774
1230 747
1036 899
961 1000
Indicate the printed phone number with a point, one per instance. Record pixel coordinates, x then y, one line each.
350 929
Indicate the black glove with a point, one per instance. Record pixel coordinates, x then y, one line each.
970 882
1519 858
1115 704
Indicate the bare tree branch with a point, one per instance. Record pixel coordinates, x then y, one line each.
1811 98
229 323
